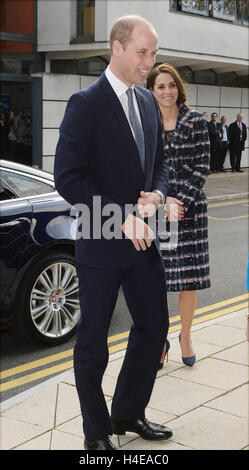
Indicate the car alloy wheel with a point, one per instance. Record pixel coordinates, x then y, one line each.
54 300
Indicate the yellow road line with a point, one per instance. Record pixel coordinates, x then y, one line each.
35 364
213 315
228 218
53 358
117 337
118 347
49 371
227 203
35 376
215 306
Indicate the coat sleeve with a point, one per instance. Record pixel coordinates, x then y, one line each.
73 180
160 179
201 155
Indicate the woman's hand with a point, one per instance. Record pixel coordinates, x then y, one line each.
174 209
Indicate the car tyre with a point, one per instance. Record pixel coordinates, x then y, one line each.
48 301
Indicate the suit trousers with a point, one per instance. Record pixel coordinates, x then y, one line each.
214 154
144 288
222 154
235 156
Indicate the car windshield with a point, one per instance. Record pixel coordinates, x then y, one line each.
25 186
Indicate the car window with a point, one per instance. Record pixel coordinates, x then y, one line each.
25 186
5 192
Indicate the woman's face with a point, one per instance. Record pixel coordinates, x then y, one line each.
165 90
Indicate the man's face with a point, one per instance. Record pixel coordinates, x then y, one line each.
214 117
223 120
240 117
135 61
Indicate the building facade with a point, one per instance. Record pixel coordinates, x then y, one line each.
206 40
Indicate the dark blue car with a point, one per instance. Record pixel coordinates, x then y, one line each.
39 286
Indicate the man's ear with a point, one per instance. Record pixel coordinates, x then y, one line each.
117 48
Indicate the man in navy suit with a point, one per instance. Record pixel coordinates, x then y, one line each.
110 147
238 136
215 134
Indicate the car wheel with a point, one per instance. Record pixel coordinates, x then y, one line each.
50 309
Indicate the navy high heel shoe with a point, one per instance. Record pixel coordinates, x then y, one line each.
188 361
161 364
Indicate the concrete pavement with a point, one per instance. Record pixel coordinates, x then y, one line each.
227 185
206 406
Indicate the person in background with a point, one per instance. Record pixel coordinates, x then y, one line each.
12 135
223 143
4 141
187 150
215 135
238 136
20 128
27 140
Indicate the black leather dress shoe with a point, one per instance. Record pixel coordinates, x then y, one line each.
99 444
142 427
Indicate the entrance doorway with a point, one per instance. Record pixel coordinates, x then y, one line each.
16 132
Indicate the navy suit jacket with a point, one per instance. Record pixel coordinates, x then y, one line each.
235 143
96 155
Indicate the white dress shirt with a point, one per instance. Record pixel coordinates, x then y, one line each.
224 138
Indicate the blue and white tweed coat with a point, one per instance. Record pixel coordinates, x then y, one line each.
187 265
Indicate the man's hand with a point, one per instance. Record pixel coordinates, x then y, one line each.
174 209
148 203
138 232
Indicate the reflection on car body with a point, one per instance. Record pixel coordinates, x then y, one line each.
39 284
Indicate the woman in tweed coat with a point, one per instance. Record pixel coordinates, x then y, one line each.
188 151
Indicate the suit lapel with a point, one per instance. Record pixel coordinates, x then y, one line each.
120 117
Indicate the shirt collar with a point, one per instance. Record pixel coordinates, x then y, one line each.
118 86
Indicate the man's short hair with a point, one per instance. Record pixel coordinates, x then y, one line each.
123 28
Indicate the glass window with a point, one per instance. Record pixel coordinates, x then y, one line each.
227 79
224 9
245 12
205 77
239 5
186 74
24 186
199 7
230 10
176 5
5 192
90 66
86 18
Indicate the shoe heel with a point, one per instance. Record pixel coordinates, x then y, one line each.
167 357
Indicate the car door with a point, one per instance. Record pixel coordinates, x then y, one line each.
15 222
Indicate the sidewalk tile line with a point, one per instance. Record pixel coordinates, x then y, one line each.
22 396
